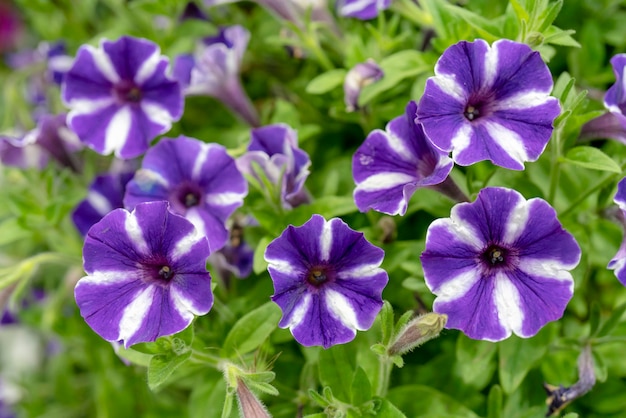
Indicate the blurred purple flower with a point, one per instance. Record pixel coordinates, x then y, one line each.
105 194
390 165
327 281
359 76
50 139
619 260
214 71
200 181
10 26
489 103
146 275
120 96
362 9
274 149
500 265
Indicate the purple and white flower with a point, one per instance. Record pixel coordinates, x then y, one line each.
50 139
214 71
619 261
327 281
274 149
359 76
391 164
500 265
200 181
105 194
146 275
613 123
489 103
120 96
362 9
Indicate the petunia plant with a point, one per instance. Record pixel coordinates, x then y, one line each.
312 208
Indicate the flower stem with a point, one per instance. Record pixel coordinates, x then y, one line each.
384 375
555 165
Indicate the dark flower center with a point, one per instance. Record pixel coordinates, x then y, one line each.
495 255
317 277
166 273
187 195
471 112
191 199
128 92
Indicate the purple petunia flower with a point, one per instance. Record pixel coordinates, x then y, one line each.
200 180
50 139
105 194
274 149
500 265
362 9
619 260
120 96
327 281
147 275
612 124
359 76
214 71
489 103
391 164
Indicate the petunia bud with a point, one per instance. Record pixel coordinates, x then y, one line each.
419 330
359 76
249 405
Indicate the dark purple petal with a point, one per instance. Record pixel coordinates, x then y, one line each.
362 9
610 125
359 76
615 98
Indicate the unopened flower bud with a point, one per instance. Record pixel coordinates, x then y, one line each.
249 405
359 76
419 330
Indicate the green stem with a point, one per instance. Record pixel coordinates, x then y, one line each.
205 358
583 196
384 375
555 165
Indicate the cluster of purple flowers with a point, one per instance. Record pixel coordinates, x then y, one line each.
498 265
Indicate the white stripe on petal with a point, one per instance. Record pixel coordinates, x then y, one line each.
157 114
282 266
183 306
354 7
135 234
361 272
507 301
461 230
326 239
196 172
193 216
397 145
299 311
491 67
148 67
103 64
224 199
88 106
523 100
462 138
184 245
458 286
101 204
117 131
508 140
342 309
549 268
449 86
517 220
384 181
110 277
135 313
145 178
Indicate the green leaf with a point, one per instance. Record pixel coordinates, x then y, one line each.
475 361
11 231
205 398
260 265
613 321
336 368
326 82
162 366
135 357
494 402
424 401
518 355
388 410
591 158
594 318
599 367
251 330
386 322
361 389
328 207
